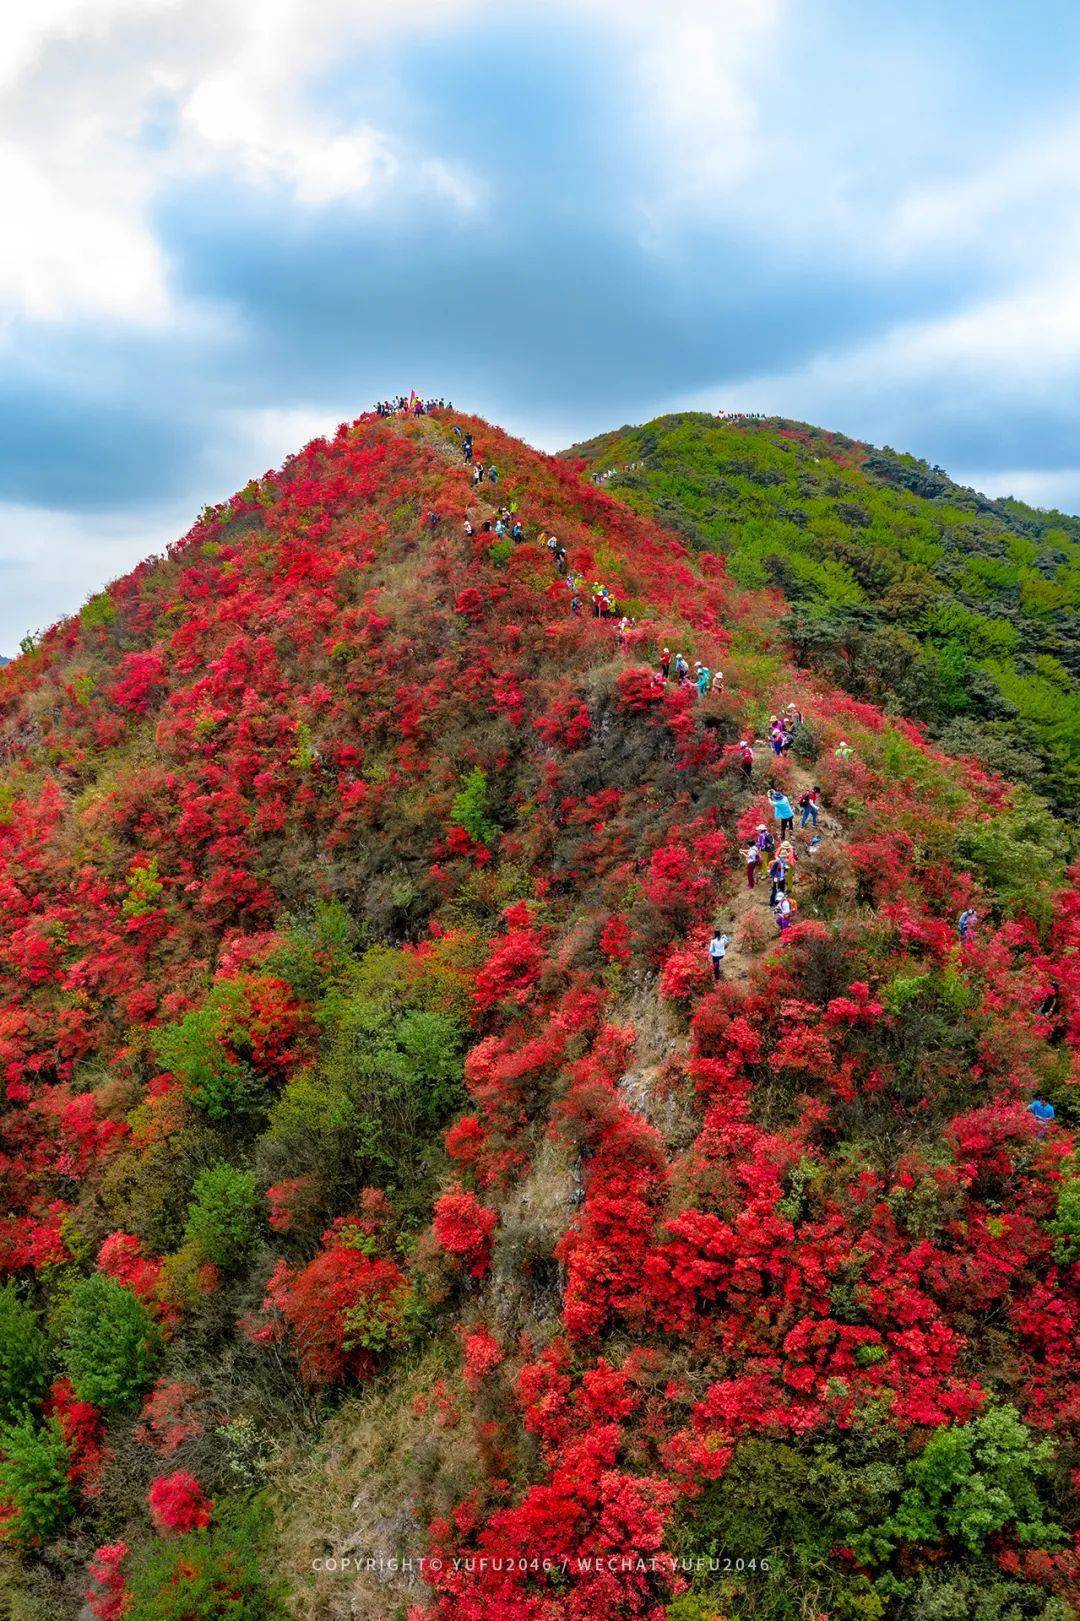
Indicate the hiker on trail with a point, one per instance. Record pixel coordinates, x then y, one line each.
783 914
788 854
493 477
682 670
1050 1005
622 633
500 527
782 811
665 663
776 736
808 804
466 447
717 952
787 735
469 530
718 681
575 604
746 760
1044 1113
777 879
478 473
752 857
702 681
843 750
560 559
433 520
764 839
517 534
965 925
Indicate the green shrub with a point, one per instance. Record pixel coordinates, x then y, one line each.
192 1049
144 889
316 949
34 1461
793 1506
112 1343
1066 1221
969 1482
470 808
1016 853
24 1356
223 1216
224 1572
99 610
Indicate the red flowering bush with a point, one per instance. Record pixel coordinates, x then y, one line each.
340 1311
107 1596
178 1504
463 1228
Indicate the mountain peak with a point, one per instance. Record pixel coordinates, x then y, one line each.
486 1030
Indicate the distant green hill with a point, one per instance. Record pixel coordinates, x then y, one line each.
900 585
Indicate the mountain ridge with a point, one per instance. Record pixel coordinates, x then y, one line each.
899 585
366 1078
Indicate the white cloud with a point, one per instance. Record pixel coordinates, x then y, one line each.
1013 209
1024 344
1057 489
106 103
695 67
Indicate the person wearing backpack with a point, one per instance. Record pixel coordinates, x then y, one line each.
808 804
777 879
746 760
752 856
783 914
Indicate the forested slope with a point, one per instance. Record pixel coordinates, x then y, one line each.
386 1178
900 585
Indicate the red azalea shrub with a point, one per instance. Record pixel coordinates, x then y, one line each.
463 1228
178 1504
84 1431
107 1597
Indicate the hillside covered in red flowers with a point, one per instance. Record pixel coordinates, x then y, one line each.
399 1219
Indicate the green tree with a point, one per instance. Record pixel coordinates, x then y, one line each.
112 1343
223 1216
24 1356
969 1482
34 1462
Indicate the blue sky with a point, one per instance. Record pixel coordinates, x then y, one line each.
229 226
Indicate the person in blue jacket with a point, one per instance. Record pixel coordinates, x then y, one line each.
1043 1112
782 811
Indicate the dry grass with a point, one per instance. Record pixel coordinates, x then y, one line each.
354 1495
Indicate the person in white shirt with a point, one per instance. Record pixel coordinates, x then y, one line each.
717 952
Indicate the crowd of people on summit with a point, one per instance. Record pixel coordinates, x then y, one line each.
410 405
